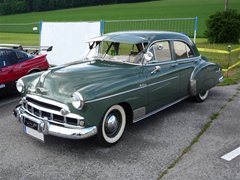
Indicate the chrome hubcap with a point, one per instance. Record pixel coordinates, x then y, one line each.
111 124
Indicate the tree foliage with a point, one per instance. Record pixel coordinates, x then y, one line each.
23 6
223 27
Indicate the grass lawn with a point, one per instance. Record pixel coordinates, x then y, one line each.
145 10
221 59
233 77
20 38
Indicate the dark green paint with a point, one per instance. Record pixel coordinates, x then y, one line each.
103 83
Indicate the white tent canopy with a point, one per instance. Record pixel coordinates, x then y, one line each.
69 40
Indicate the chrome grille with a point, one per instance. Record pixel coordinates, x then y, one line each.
50 112
43 104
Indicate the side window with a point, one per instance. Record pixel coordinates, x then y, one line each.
21 56
11 58
2 59
182 50
161 51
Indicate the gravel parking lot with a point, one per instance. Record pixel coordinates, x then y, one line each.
145 151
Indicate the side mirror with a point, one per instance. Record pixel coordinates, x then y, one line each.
160 47
49 49
148 56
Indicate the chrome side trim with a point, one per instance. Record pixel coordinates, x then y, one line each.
139 112
193 87
160 109
189 60
135 89
180 61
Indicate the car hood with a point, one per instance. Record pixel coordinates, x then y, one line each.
92 79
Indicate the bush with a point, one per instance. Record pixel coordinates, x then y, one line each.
223 27
19 7
23 6
5 8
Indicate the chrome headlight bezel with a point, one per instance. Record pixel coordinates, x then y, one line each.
77 101
20 86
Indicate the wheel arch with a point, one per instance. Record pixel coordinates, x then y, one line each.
33 70
128 111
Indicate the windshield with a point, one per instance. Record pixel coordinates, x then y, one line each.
115 51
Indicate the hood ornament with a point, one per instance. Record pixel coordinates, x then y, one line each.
42 90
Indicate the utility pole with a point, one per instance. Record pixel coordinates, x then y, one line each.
226 5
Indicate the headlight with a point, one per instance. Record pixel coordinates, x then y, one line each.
77 100
20 86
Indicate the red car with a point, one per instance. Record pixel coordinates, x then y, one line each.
16 63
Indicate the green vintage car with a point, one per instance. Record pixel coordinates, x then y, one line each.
126 77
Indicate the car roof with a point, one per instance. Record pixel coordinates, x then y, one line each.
12 49
121 38
6 48
136 37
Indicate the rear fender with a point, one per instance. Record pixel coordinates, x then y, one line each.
205 76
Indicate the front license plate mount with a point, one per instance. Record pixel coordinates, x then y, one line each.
34 133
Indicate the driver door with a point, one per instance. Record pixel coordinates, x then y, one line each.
162 76
6 66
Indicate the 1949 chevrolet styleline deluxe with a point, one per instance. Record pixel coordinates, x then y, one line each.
126 77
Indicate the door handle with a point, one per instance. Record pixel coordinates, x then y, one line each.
174 65
196 60
157 69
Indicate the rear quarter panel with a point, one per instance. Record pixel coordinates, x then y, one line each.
39 62
207 75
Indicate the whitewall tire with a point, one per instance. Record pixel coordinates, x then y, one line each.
200 97
113 125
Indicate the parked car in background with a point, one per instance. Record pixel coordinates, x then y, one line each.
127 77
16 63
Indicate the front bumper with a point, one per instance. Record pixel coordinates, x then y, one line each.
47 128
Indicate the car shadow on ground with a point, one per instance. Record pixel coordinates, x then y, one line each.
132 132
8 93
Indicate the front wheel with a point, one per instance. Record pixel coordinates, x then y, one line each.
200 97
113 125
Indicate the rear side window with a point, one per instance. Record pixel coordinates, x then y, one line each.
2 59
11 58
161 51
23 56
182 50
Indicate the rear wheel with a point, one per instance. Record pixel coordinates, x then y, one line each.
113 125
200 97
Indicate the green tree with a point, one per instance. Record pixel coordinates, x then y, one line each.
223 27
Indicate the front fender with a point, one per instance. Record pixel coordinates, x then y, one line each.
205 76
31 80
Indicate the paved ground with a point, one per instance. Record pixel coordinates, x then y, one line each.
146 149
204 160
